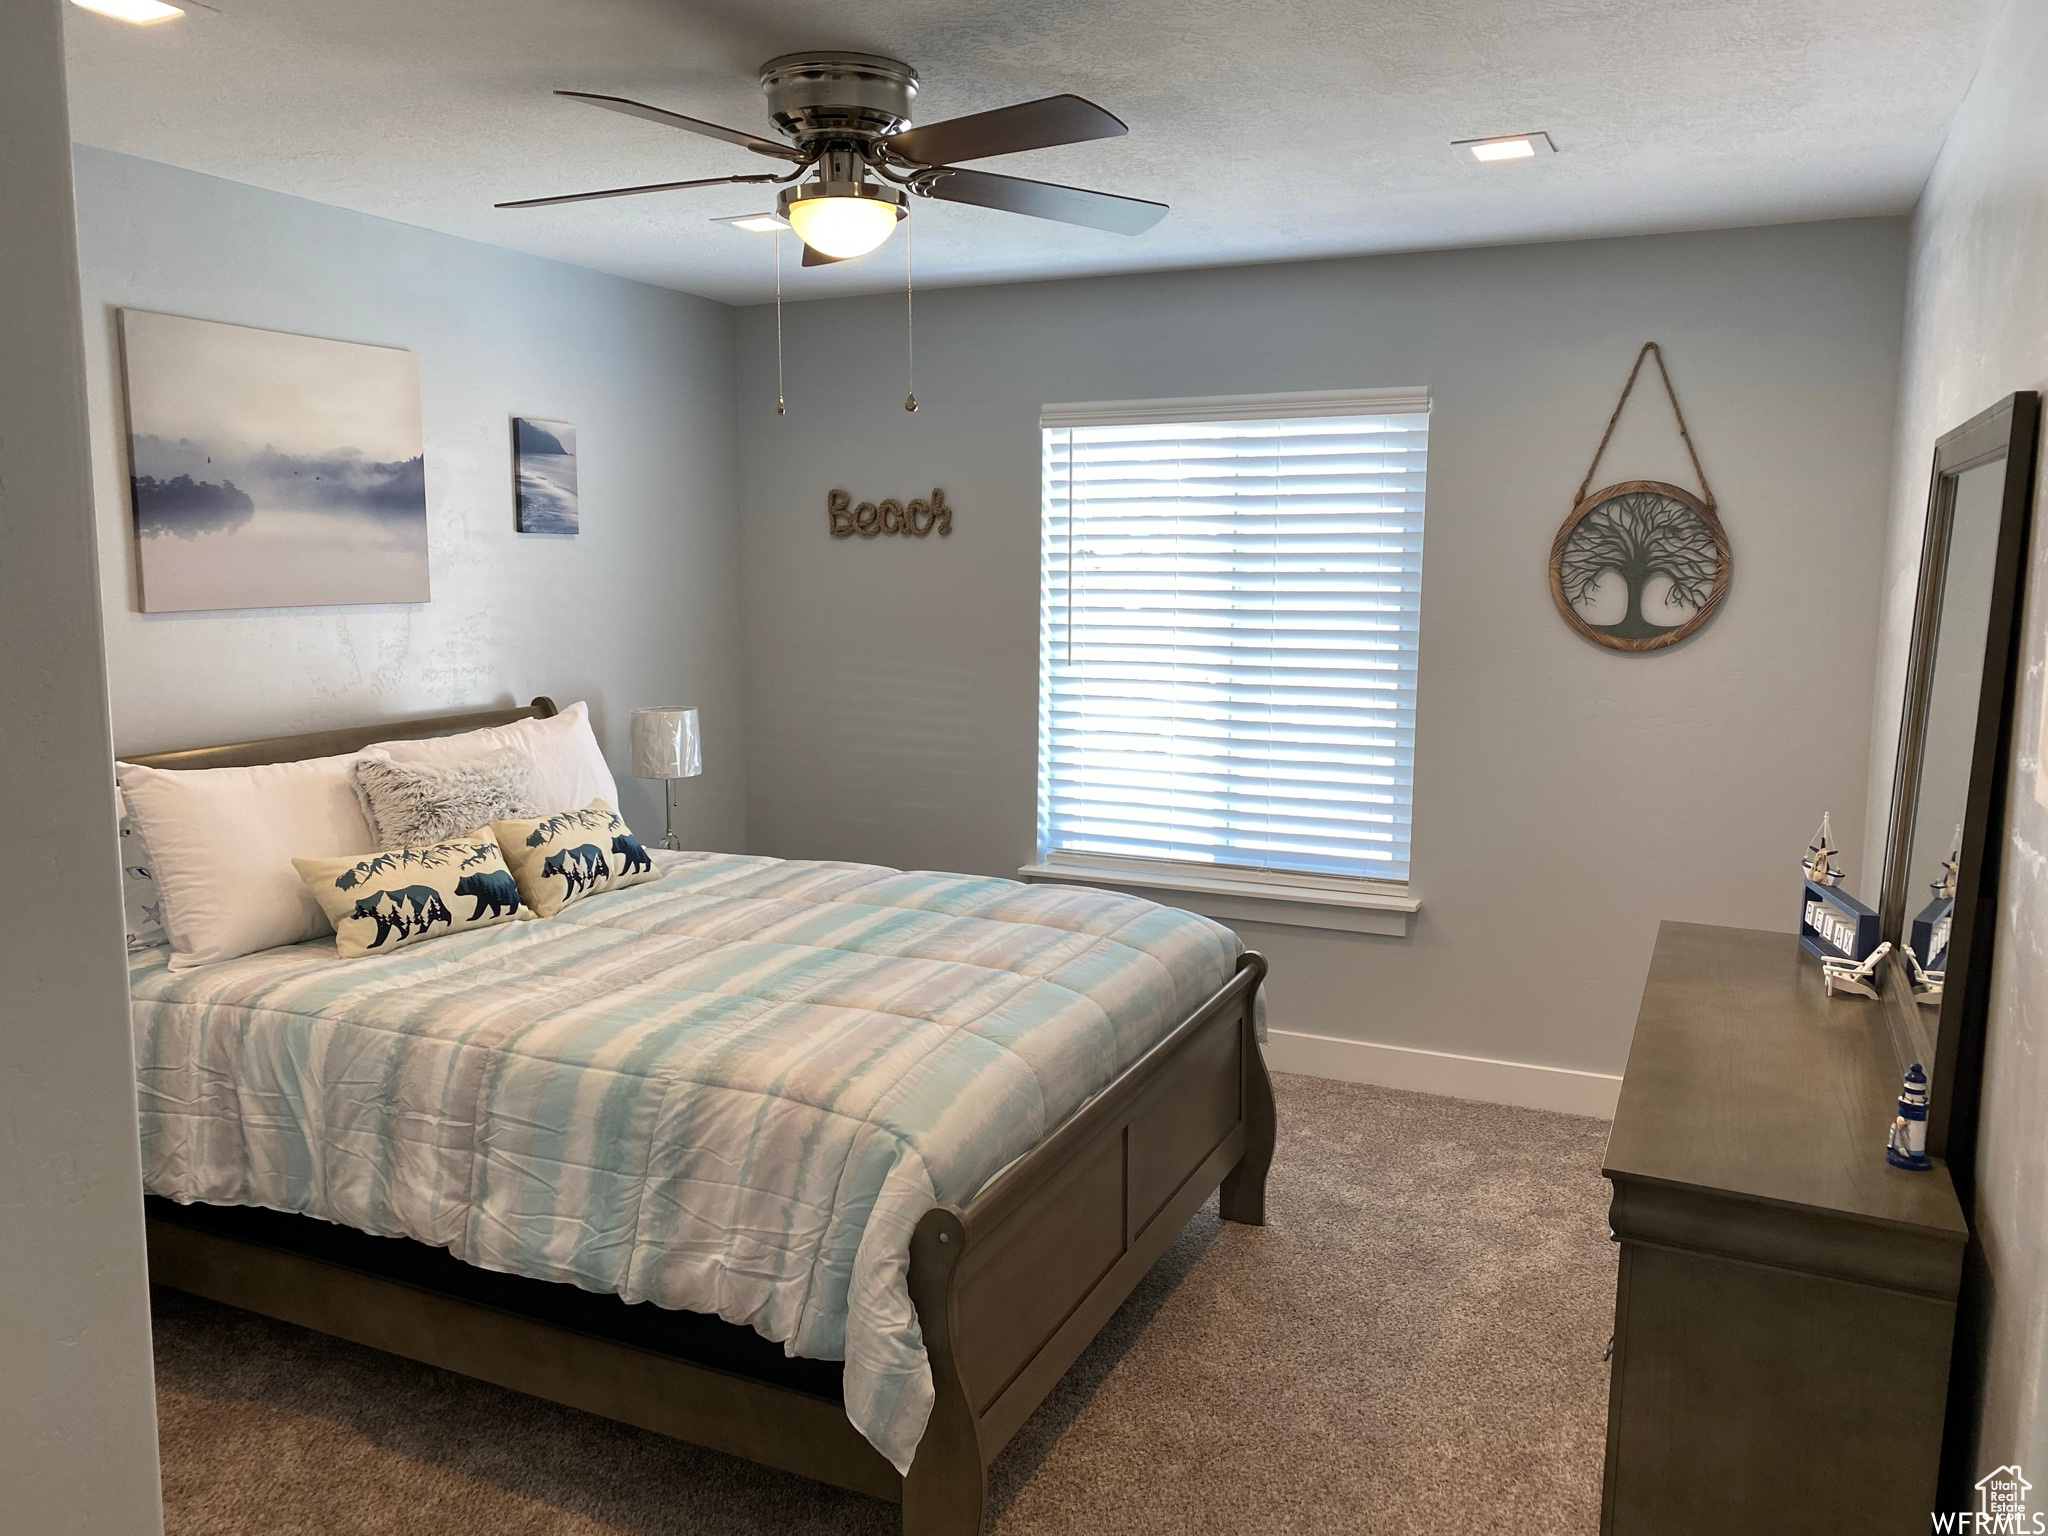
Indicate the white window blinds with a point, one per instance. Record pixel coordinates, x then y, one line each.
1228 632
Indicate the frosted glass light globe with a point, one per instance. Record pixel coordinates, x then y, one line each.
842 226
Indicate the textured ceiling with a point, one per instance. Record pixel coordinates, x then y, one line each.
1276 130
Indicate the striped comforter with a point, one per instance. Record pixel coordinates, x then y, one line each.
734 1089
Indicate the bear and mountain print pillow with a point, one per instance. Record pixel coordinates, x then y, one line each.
384 901
561 859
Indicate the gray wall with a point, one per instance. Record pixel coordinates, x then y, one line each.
77 1414
1977 329
639 608
1567 797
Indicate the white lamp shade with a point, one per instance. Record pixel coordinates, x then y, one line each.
666 744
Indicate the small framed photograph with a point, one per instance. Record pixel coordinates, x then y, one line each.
544 464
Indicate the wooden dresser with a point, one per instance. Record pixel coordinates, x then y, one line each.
1787 1300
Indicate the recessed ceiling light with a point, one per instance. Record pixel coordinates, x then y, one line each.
143 13
1511 146
757 223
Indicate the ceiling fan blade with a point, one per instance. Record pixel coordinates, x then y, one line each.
1044 200
819 258
1028 125
753 141
657 186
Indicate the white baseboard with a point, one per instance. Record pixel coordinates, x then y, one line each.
1457 1077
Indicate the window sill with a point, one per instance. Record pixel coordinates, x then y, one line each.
1227 900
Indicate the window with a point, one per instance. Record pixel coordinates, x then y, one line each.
1230 605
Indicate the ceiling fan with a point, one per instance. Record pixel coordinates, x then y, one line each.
847 119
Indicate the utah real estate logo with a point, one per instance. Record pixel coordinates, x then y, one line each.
2001 1509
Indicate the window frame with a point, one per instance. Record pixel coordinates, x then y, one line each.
1355 903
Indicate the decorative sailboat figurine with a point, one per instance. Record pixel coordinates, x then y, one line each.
1834 927
1945 888
1819 862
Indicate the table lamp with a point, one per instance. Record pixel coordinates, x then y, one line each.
666 746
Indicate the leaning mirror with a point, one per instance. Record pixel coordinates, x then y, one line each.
1937 904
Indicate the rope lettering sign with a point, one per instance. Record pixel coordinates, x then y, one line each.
1640 564
916 519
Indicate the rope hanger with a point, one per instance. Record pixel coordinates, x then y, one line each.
1649 348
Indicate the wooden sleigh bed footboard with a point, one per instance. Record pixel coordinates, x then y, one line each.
1010 1288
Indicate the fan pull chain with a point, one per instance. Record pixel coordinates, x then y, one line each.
909 318
780 406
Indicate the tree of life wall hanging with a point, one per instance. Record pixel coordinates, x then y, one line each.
1640 564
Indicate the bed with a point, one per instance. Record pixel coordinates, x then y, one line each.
969 1204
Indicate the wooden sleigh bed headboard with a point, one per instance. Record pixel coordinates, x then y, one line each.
351 738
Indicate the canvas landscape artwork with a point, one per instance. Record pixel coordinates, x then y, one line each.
270 470
544 454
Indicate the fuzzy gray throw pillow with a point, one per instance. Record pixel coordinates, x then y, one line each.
409 805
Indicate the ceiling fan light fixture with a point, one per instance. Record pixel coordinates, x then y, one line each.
843 219
845 118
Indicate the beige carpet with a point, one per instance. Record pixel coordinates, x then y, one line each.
1412 1345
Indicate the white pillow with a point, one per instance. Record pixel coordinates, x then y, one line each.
569 770
221 844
